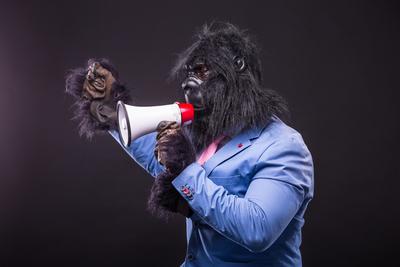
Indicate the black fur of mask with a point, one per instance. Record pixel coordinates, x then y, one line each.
232 92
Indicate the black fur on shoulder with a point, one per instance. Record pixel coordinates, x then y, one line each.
235 99
75 78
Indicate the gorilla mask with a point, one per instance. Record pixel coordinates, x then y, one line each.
221 76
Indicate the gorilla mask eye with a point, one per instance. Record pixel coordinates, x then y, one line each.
200 70
239 63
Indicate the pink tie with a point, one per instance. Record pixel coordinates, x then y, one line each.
209 151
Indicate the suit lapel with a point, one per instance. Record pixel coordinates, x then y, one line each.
231 148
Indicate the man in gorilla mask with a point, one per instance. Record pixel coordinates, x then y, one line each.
241 176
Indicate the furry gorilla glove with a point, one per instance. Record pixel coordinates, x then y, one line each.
97 90
175 151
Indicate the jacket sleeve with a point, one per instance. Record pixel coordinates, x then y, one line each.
283 175
142 151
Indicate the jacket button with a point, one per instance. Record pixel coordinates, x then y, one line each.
190 257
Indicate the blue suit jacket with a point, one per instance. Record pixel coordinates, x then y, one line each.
248 199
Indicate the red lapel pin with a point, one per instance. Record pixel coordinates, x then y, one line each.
240 145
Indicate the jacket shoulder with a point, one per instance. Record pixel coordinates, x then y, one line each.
278 132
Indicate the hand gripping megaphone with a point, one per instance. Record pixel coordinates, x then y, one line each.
134 121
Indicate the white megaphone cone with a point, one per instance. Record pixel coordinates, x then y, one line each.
134 122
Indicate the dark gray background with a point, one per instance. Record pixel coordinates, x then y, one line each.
65 201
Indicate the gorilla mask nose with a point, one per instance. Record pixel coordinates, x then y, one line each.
191 83
193 95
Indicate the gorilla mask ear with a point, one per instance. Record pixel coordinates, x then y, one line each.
240 64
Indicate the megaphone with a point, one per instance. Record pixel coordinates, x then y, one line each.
134 121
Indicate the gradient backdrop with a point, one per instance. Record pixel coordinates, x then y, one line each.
65 201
